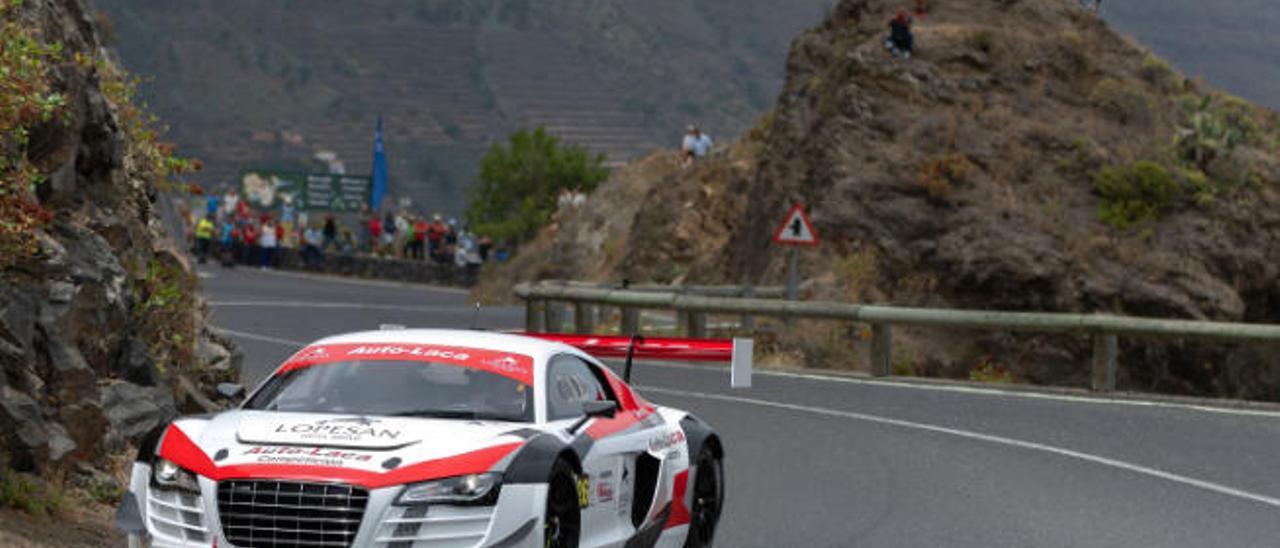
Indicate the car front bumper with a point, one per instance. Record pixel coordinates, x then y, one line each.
183 519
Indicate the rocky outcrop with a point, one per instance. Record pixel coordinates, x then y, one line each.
80 378
968 177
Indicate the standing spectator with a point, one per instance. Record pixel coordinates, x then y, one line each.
375 232
419 242
267 240
363 227
404 236
435 234
204 236
330 232
230 202
389 232
485 244
227 245
251 250
211 205
696 144
312 252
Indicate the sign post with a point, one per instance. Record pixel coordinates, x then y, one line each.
795 231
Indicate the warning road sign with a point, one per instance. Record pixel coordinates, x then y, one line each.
796 229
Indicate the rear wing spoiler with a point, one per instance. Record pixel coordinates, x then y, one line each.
736 352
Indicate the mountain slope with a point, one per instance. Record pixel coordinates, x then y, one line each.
248 83
1027 158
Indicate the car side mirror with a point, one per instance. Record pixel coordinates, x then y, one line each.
230 390
595 409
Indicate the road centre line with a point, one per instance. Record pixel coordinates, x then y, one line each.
998 440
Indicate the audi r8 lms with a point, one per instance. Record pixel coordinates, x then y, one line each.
431 438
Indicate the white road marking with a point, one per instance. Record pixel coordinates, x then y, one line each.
205 275
1000 440
985 391
358 306
263 338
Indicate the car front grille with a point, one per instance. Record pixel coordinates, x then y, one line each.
285 514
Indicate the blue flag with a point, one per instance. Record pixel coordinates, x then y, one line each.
379 170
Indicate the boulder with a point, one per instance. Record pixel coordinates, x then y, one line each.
23 428
132 410
133 363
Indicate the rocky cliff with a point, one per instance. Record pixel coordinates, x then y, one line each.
1026 158
101 333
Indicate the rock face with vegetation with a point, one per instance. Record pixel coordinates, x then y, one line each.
101 334
1026 158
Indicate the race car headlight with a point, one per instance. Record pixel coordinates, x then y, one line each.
168 474
468 489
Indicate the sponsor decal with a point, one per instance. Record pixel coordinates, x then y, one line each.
515 366
604 487
624 490
666 441
335 430
310 456
584 491
414 351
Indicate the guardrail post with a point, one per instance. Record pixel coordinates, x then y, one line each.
695 324
533 315
630 324
1105 353
553 317
584 318
748 321
881 349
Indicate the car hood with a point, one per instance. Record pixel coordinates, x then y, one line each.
365 450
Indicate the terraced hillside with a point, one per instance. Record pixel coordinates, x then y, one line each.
248 83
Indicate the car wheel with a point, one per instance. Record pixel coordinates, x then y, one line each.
708 500
563 518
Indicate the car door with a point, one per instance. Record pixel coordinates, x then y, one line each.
609 447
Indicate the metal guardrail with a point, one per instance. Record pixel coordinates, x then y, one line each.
543 310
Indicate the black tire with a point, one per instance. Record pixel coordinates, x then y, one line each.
708 500
563 522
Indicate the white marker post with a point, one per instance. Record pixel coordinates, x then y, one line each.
740 367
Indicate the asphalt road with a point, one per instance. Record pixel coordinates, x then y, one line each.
817 462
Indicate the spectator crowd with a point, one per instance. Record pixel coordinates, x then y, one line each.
230 231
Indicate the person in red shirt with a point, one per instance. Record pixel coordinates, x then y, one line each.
251 250
420 229
436 234
375 233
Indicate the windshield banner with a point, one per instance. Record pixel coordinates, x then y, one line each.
507 364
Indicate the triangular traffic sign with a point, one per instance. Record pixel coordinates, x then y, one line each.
796 229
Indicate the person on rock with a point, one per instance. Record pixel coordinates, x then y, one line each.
900 41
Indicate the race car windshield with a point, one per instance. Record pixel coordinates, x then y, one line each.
397 388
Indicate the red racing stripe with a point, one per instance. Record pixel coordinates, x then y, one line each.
179 448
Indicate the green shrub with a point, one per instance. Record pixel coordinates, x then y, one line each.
26 100
1136 193
1123 101
519 182
1156 71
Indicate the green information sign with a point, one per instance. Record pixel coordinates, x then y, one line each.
266 189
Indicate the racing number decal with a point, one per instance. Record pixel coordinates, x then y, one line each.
584 491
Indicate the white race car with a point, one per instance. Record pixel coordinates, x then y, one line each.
431 438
